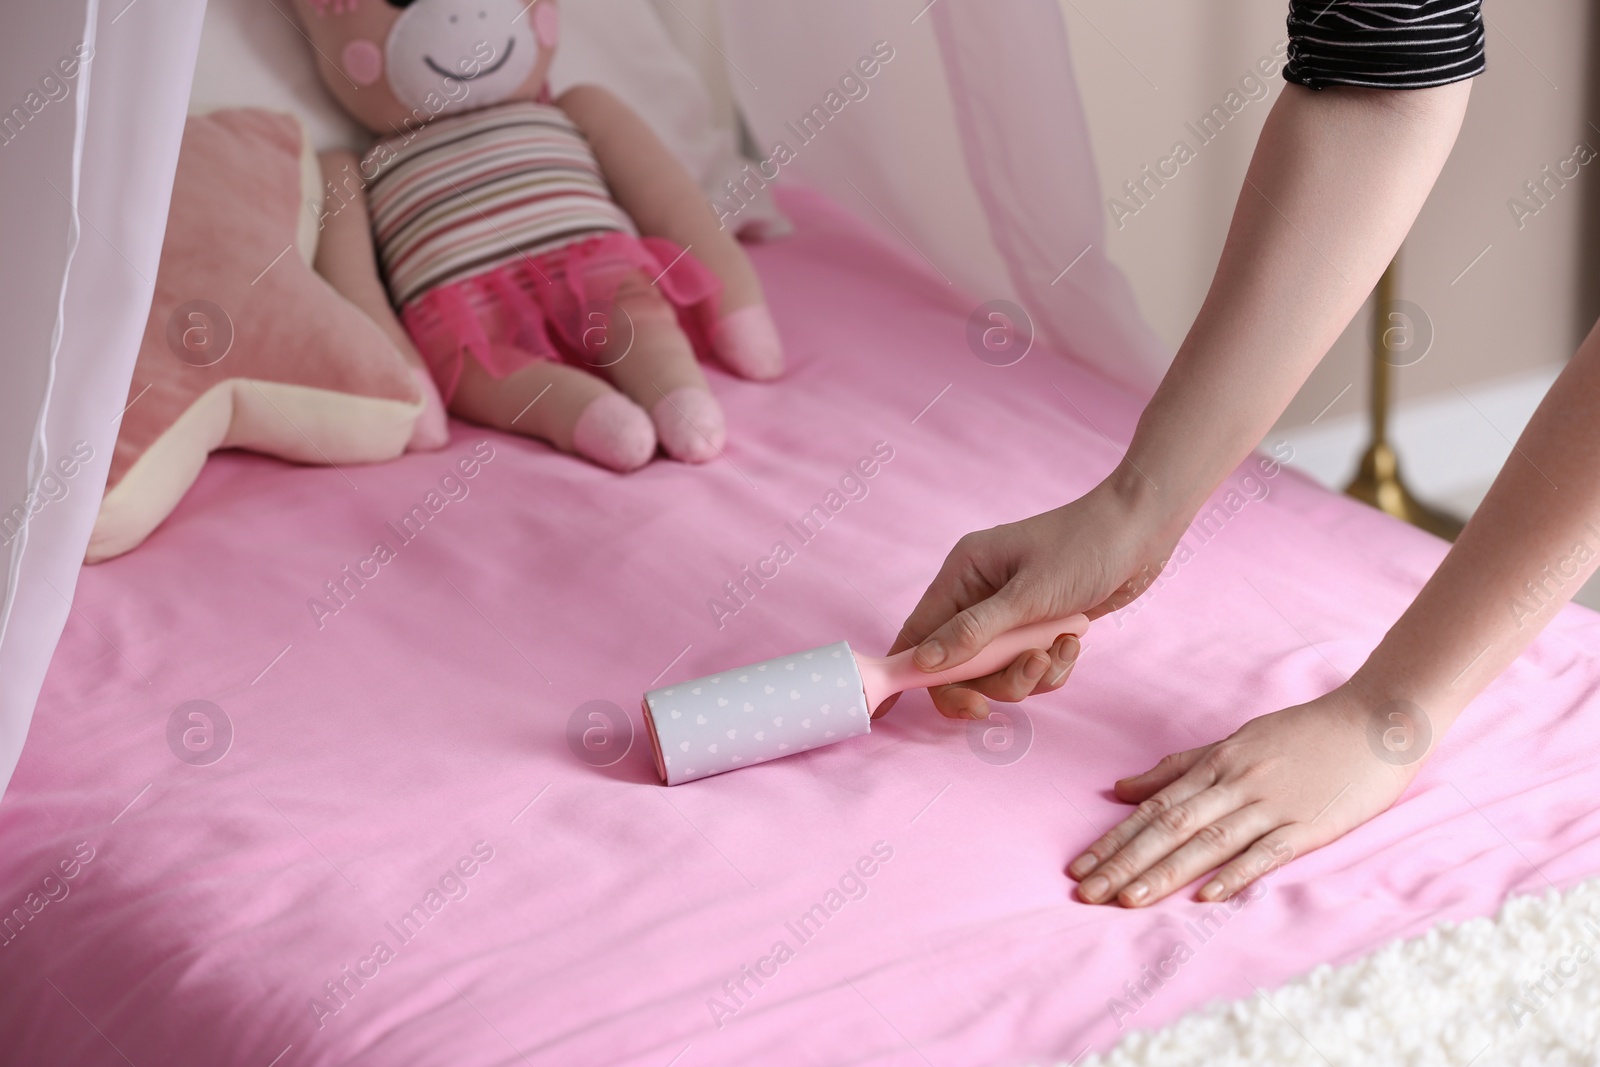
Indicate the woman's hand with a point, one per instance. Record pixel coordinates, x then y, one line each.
1284 784
1093 555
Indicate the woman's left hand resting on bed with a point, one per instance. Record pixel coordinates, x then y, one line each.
1281 785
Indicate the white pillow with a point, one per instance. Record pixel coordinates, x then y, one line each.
253 55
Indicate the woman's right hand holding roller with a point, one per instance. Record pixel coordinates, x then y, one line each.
1093 556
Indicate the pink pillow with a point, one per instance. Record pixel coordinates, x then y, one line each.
246 346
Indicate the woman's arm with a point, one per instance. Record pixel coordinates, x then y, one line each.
1337 178
1292 781
1531 545
1336 181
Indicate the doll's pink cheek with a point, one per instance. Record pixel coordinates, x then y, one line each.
362 61
546 23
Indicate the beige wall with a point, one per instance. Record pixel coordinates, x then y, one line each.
1146 67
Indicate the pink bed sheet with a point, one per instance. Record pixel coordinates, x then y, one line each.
408 755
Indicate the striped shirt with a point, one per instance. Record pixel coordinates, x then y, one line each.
466 194
1393 45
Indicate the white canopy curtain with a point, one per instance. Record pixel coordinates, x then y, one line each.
86 169
969 146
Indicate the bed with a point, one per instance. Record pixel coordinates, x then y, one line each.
273 812
388 844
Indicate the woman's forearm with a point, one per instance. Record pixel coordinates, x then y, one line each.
1337 179
1530 546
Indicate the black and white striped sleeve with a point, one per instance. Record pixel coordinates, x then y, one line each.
1384 45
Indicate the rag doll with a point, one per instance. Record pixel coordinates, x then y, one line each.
553 264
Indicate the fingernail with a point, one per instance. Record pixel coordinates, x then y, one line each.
1037 664
1213 890
1083 865
1136 892
1095 889
929 655
1066 654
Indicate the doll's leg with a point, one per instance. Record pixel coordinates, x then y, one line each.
571 409
661 374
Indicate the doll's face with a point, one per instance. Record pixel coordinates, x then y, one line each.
399 63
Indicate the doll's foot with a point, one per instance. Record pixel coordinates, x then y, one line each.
747 343
690 424
614 432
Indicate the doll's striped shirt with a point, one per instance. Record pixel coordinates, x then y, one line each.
1384 44
466 194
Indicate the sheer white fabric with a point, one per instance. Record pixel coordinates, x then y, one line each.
85 178
969 146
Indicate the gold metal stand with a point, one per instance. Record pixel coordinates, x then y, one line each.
1378 481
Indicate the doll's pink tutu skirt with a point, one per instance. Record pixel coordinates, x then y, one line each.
578 304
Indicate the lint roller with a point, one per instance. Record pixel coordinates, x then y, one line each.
802 701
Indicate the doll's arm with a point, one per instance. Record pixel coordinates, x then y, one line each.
653 188
345 256
346 260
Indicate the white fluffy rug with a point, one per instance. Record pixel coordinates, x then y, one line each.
1519 990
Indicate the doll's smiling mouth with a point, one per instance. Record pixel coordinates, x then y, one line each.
511 43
